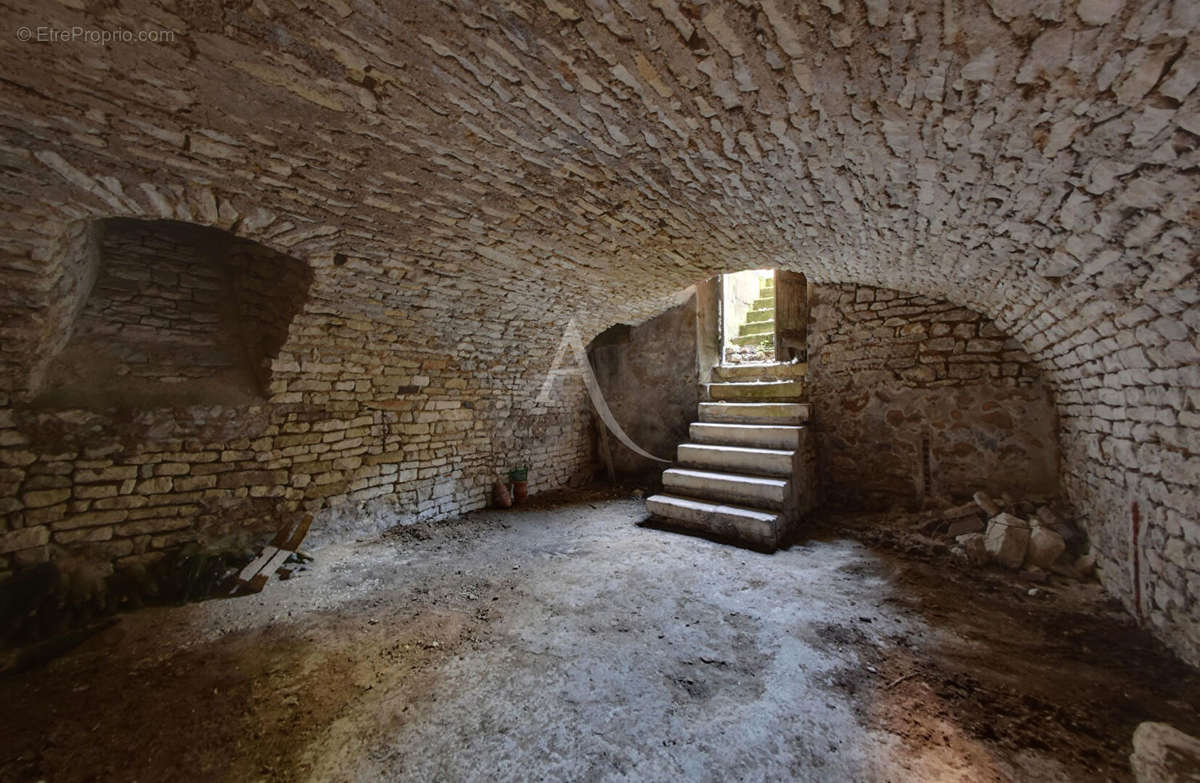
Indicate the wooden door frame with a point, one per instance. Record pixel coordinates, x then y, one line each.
791 316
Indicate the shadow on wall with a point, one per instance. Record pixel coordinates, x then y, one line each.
916 399
649 376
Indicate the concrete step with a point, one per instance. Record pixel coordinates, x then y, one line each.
766 302
755 412
738 459
754 526
753 339
762 436
759 372
749 391
757 491
753 316
756 327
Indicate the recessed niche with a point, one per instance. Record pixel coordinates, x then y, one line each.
178 315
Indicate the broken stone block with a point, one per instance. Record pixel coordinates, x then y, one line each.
1064 566
1045 545
990 507
1047 517
1007 539
1164 754
1085 565
974 548
965 525
957 512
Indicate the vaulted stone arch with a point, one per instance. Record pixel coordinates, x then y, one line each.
487 172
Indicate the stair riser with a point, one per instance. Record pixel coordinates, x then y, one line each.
736 461
753 339
765 413
754 437
757 495
754 532
761 372
763 328
741 392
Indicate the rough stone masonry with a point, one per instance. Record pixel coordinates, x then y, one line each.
915 398
464 179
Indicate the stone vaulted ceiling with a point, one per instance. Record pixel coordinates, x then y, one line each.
481 170
620 151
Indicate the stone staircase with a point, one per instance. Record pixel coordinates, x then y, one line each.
760 318
747 473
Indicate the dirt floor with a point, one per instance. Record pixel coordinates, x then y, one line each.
566 642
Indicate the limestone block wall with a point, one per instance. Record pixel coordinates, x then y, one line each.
916 398
489 172
123 487
157 326
267 290
350 412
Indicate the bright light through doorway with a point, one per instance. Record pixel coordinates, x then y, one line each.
748 316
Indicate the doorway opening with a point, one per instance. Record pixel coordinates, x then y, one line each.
748 317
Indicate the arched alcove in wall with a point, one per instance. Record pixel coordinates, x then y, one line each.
171 314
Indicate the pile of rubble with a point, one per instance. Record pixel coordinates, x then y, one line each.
749 354
1013 535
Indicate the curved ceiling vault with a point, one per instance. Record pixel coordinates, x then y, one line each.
520 162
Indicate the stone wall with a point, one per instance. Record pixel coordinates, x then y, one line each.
158 326
268 290
915 399
124 487
649 376
488 173
350 414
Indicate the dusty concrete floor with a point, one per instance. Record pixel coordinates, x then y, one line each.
564 642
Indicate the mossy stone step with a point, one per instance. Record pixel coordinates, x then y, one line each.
759 315
756 327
